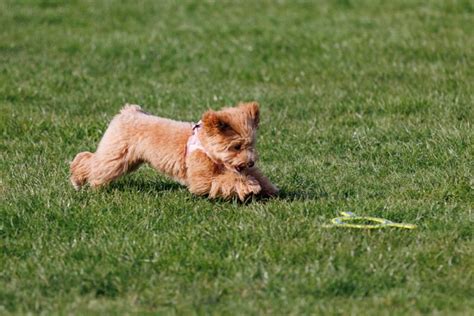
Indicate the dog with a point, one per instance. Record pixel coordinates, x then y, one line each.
215 157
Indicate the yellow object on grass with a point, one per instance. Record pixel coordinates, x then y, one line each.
347 220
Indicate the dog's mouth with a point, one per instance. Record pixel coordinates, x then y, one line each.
243 167
239 169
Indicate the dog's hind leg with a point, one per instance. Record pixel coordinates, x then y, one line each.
80 169
102 167
116 154
111 165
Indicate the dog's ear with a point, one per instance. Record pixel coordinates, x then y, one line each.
216 122
253 111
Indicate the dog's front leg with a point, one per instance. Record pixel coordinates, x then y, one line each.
199 173
206 178
228 184
268 188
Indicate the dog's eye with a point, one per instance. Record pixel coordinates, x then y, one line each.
237 147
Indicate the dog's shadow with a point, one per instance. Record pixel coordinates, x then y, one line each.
156 186
163 186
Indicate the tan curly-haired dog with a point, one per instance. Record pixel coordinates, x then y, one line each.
215 157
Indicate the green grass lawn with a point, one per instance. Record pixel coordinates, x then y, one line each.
367 106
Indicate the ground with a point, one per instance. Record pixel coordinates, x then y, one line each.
367 106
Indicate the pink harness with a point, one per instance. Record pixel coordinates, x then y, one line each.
194 143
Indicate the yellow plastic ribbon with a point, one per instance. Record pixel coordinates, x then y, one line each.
347 217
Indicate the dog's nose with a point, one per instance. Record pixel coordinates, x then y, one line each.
251 164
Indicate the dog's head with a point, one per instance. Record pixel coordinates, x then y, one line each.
229 135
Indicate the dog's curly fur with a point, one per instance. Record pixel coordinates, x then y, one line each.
222 167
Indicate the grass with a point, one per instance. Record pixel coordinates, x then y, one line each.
367 106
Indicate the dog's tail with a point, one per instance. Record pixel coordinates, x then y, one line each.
80 169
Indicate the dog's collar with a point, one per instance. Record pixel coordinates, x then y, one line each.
193 141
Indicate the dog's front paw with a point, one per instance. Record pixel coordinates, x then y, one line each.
253 185
250 187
